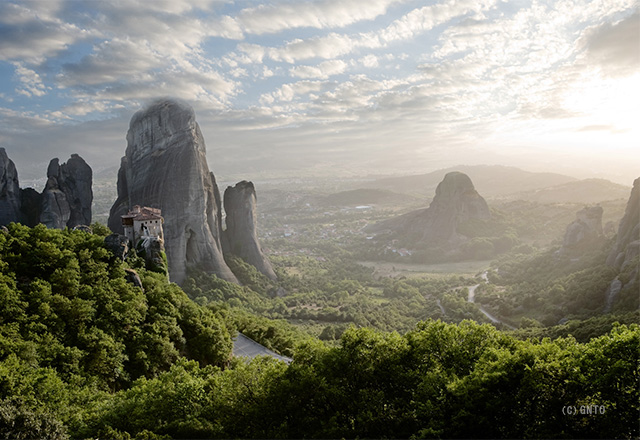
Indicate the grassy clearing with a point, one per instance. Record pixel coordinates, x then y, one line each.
395 270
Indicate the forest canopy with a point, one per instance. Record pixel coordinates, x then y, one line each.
86 353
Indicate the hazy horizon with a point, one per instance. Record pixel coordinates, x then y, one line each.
330 88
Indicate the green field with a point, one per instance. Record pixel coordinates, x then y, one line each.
395 270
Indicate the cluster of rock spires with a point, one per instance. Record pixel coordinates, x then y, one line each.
583 231
64 202
586 232
455 202
165 166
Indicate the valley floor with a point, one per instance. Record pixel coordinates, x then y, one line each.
396 270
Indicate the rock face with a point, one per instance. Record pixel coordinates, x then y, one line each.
455 202
625 252
67 196
165 167
241 237
31 204
627 245
10 198
65 201
55 210
586 229
152 249
132 277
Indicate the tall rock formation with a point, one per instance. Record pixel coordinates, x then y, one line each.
455 202
65 201
586 229
241 238
628 242
67 196
30 209
165 167
625 252
10 197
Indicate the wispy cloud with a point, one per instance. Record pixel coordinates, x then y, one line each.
354 77
33 35
319 14
30 82
334 45
323 70
615 47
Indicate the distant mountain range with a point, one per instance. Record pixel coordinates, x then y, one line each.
581 191
502 182
489 180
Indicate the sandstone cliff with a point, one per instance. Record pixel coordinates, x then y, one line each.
241 235
456 201
165 167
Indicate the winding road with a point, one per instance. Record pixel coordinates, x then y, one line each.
471 298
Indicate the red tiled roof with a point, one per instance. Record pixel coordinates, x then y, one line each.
144 213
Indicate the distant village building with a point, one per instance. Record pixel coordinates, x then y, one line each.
142 222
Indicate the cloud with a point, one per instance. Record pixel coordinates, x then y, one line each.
319 14
139 46
20 122
32 141
423 19
144 52
300 78
86 106
370 61
601 127
111 61
174 7
289 92
225 27
615 46
322 71
266 72
519 65
33 35
336 45
190 85
331 46
31 83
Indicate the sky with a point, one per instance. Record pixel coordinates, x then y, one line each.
332 88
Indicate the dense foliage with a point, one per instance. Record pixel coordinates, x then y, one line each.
84 353
551 287
439 380
69 320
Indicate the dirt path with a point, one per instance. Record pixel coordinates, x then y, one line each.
472 293
472 299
